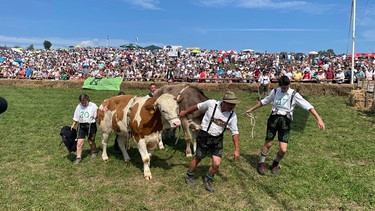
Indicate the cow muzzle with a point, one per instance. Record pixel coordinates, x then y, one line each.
174 122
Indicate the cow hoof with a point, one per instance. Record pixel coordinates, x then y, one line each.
189 155
127 163
105 159
148 177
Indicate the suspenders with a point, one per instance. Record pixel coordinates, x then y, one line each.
212 119
289 116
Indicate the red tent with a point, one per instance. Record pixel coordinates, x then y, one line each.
356 55
369 54
231 52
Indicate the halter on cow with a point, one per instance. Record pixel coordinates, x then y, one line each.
190 95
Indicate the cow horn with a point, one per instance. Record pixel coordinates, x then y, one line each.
180 99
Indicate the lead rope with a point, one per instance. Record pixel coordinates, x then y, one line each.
252 123
179 128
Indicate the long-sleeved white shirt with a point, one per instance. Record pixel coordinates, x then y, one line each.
282 104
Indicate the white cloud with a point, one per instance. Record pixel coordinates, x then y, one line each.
271 4
270 29
65 43
144 4
281 5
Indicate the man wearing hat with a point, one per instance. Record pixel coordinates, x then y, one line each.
219 115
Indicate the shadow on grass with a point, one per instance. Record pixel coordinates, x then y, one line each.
300 118
158 160
367 113
85 154
251 159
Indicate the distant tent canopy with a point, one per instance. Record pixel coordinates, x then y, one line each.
195 51
152 47
248 51
131 46
357 55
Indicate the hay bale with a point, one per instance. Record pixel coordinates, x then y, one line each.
309 88
303 88
357 98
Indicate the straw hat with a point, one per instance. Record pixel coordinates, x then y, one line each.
230 97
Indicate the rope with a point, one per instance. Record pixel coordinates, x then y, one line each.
178 98
252 123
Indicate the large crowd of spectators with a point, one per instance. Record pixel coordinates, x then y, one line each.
204 66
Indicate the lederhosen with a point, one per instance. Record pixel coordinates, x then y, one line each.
264 87
208 143
279 124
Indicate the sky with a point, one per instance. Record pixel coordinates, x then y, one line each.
262 25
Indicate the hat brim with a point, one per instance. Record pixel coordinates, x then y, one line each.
232 101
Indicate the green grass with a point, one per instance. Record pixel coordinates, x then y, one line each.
322 170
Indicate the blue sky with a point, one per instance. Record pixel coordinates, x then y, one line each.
262 25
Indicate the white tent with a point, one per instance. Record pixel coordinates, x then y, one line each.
248 50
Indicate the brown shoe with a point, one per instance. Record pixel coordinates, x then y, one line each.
275 168
262 168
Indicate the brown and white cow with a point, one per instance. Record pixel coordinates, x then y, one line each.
142 118
106 113
190 95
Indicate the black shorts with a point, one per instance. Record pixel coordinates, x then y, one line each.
87 130
207 143
263 88
279 124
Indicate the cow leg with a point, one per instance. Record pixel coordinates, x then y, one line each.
185 127
195 130
121 143
161 144
142 148
195 135
105 137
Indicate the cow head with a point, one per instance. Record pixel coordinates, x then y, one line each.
168 107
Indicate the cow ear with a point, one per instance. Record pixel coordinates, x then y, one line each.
150 108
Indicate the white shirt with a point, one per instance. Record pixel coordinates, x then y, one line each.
264 79
281 101
86 114
219 116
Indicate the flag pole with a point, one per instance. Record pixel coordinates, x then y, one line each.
353 39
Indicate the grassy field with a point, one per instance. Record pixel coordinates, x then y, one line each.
323 170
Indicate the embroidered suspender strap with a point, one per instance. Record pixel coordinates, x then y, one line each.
226 123
291 101
212 118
